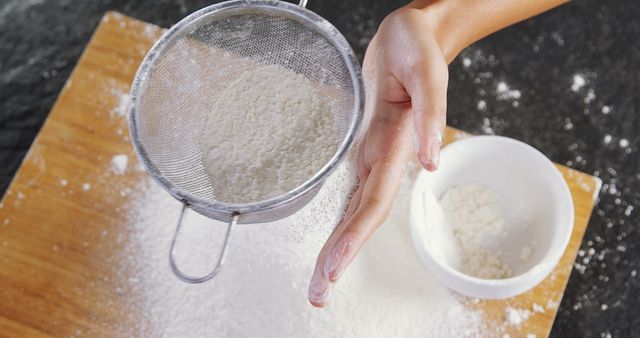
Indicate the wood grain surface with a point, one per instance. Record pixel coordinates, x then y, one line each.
63 217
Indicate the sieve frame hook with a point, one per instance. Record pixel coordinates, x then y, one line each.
221 257
302 3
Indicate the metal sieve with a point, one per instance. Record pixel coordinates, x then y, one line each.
179 81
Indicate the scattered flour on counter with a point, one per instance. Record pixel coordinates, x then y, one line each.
63 182
578 82
473 213
506 93
628 210
482 105
270 131
591 95
119 164
568 125
86 186
486 126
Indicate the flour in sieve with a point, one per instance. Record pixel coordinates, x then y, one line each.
269 132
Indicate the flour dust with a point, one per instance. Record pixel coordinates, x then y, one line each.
262 288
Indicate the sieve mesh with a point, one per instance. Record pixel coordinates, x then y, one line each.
189 67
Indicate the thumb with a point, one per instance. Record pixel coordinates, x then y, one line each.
428 91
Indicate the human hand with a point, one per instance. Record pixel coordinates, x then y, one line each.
406 76
406 82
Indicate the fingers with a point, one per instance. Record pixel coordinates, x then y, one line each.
377 198
320 284
428 91
376 195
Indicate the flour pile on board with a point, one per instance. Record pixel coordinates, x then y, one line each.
269 132
262 289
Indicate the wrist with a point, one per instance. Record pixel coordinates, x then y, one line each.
456 23
447 32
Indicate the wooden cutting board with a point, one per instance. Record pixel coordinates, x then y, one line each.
62 216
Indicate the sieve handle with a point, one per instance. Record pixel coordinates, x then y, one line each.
195 279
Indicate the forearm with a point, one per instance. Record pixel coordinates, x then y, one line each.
459 23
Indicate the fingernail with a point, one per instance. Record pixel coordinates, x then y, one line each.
430 159
334 266
319 289
434 156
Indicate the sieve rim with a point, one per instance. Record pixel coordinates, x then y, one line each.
304 16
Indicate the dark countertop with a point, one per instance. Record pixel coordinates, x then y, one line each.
591 126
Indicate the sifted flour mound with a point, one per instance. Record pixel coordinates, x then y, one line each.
473 213
262 288
269 132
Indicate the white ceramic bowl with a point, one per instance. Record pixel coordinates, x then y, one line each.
527 182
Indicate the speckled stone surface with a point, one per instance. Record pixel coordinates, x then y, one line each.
565 82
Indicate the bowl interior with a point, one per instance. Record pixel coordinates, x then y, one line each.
535 200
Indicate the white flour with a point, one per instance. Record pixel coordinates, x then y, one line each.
504 92
261 292
119 164
473 213
269 132
516 316
578 82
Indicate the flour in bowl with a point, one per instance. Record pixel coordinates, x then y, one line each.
270 131
473 212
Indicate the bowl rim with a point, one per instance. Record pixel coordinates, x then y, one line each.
532 273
